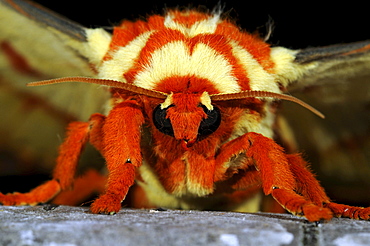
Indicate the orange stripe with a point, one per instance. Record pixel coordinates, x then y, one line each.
252 43
216 42
156 41
219 41
128 31
222 46
188 18
188 84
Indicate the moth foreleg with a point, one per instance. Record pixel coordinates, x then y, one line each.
121 150
306 184
279 180
341 210
63 176
277 176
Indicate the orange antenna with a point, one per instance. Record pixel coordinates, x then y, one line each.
162 95
106 82
244 94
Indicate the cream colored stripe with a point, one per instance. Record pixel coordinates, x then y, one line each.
201 27
123 59
97 45
260 79
286 69
174 59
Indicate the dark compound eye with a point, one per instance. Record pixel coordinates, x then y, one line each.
211 123
160 121
207 126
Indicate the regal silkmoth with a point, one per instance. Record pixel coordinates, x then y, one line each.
191 113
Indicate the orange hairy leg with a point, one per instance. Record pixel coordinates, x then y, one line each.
116 136
341 210
92 181
281 175
279 181
69 153
63 176
120 147
306 184
89 183
309 187
42 193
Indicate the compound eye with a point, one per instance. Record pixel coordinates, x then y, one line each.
210 124
160 121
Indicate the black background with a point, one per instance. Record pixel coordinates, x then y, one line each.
299 24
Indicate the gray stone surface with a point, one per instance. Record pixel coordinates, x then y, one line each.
69 226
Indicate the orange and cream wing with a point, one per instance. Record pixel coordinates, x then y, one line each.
37 44
336 80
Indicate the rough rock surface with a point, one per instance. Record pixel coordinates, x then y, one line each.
69 226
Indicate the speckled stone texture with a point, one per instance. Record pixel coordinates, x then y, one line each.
69 226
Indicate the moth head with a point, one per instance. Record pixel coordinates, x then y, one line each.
188 117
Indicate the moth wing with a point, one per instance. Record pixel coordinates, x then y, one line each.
37 44
336 80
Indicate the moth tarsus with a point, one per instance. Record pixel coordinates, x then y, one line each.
50 207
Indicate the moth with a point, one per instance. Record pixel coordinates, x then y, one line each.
192 108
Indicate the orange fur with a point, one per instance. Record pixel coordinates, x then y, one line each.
121 149
217 169
69 153
219 41
40 194
256 46
89 183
